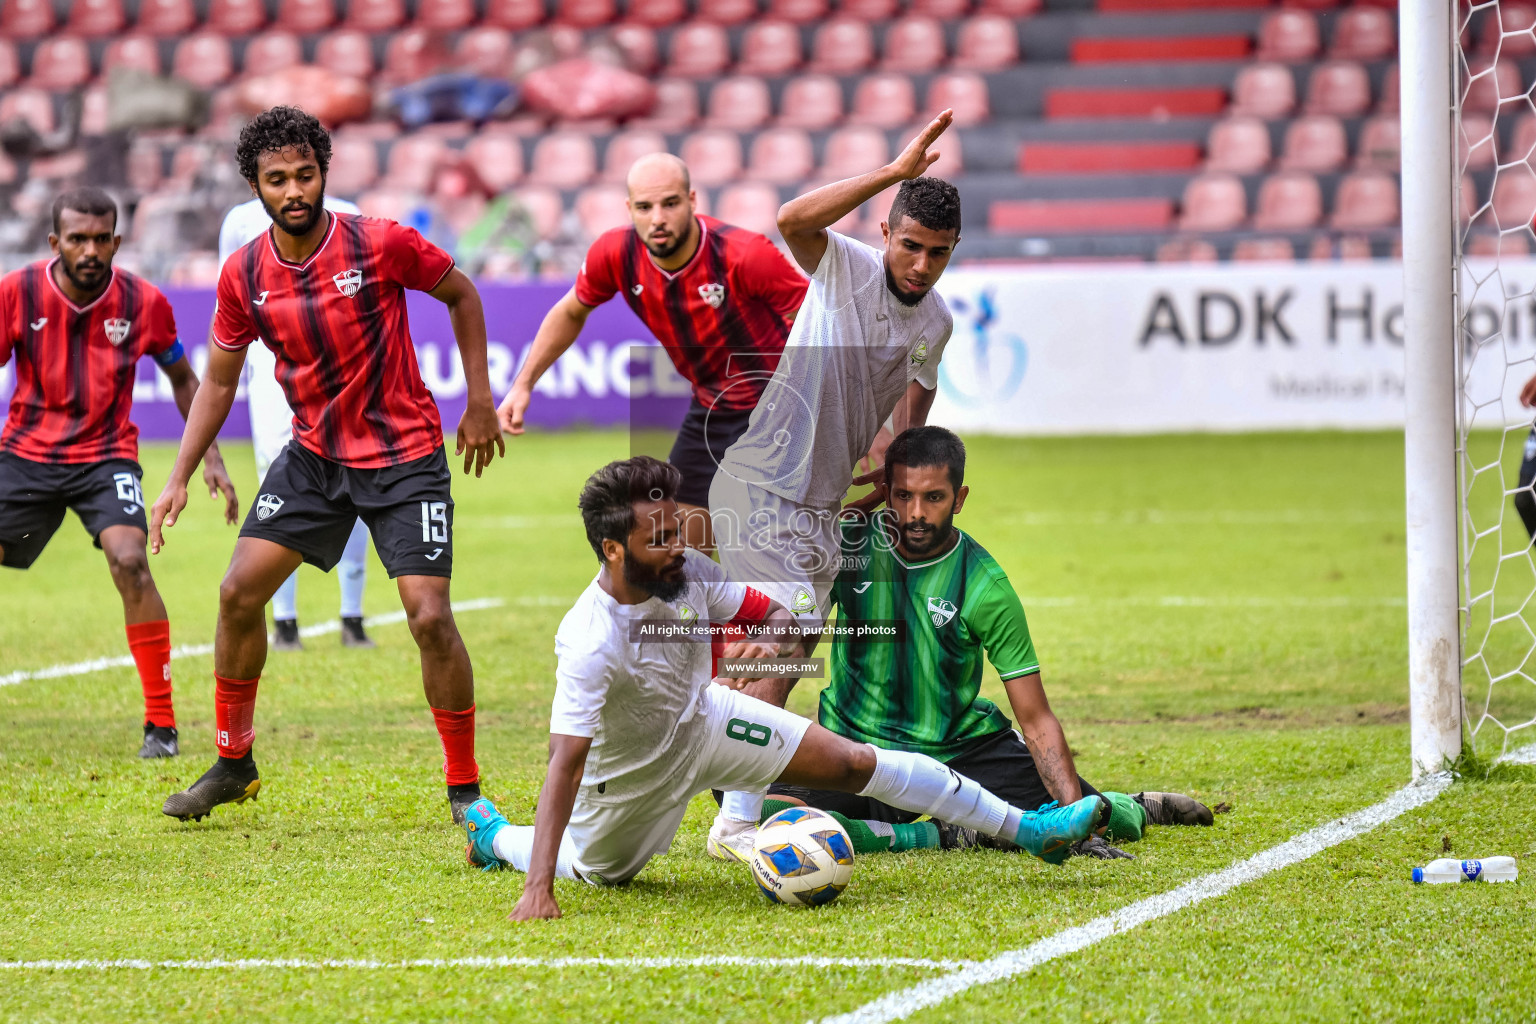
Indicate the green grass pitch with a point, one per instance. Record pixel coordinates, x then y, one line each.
1218 615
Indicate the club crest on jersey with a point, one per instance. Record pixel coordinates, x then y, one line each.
687 615
117 330
940 611
636 290
267 506
802 602
714 294
920 354
348 282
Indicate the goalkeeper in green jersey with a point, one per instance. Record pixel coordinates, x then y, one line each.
920 604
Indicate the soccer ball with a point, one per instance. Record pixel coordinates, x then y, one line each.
802 857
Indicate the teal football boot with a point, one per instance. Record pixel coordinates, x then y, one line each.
481 823
1050 832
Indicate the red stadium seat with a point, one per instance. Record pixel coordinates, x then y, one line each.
354 165
96 17
853 151
204 59
445 15
602 208
165 17
1264 90
1288 35
1368 200
563 160
741 103
638 43
411 55
1363 33
782 156
347 52
1011 8
272 51
1514 198
1509 30
713 157
1213 202
387 204
1291 201
237 17
677 106
1238 145
514 15
987 42
585 13
1381 144
914 45
544 209
770 48
305 15
375 15
944 10
34 106
1264 250
146 165
811 102
884 101
484 50
842 46
1186 250
1499 246
497 159
727 12
1345 247
627 147
699 50
656 13
26 19
1491 84
1520 146
867 10
413 162
10 64
189 160
60 63
132 52
962 92
1315 143
798 11
752 205
1340 88
1389 92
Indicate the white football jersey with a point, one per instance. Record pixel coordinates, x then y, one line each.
848 360
641 701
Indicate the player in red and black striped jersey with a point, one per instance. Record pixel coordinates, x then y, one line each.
719 298
77 329
326 293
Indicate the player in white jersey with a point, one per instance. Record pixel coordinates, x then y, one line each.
271 429
638 727
865 346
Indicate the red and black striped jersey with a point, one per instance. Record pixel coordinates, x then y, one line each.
338 327
75 365
723 315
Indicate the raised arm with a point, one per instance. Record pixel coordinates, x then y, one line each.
558 332
209 409
479 437
184 385
567 762
804 221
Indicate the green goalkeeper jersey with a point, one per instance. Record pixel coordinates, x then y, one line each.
920 693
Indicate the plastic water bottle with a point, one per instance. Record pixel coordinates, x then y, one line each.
1449 869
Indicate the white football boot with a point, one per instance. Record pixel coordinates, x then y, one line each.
731 840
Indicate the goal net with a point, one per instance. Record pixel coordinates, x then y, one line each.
1495 308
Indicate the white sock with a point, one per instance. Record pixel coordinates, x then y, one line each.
514 844
743 806
354 572
285 603
916 782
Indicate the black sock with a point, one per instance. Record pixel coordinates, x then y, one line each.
468 787
245 764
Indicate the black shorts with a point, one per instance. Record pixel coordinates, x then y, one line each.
34 495
1001 763
309 504
700 445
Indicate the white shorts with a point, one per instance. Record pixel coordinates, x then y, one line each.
271 418
789 551
747 744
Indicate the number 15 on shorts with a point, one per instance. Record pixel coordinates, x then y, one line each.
434 522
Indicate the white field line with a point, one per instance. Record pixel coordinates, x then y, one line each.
643 963
80 668
904 1003
1521 755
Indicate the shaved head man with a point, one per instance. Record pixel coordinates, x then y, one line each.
719 298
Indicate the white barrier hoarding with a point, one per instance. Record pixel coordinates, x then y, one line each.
1125 349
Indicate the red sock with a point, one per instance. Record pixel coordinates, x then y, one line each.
457 731
150 645
234 708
